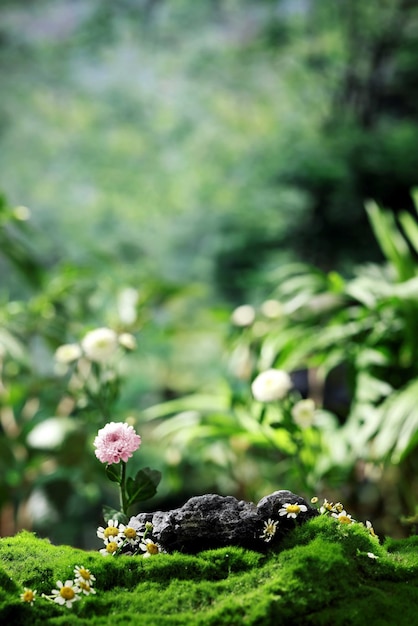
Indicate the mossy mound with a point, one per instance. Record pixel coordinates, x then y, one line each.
326 573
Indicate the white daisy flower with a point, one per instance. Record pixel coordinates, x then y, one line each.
111 547
83 574
149 547
292 510
327 507
86 587
129 534
111 532
269 530
343 517
28 596
66 594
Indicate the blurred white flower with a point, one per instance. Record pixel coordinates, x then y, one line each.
272 309
100 344
128 341
21 213
127 305
240 362
260 328
83 369
39 509
243 315
68 353
50 433
303 413
271 385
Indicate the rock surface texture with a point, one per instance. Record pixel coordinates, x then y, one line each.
213 521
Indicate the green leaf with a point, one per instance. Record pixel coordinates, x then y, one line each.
410 226
144 486
109 513
113 472
196 402
390 240
398 424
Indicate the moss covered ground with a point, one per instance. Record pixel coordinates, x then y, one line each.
324 573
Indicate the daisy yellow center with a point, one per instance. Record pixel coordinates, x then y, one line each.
111 547
293 508
110 531
130 533
84 585
84 573
152 548
28 596
67 593
344 519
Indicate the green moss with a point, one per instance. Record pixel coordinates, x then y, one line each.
322 575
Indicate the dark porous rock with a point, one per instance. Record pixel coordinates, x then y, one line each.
214 521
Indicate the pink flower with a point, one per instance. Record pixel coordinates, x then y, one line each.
116 441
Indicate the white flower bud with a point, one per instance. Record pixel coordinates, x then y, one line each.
271 385
67 353
272 309
127 341
303 413
243 315
100 344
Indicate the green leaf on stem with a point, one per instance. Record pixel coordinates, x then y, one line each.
114 472
143 486
113 514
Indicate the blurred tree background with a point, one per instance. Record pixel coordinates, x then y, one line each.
160 160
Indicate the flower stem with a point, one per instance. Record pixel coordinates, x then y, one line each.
122 486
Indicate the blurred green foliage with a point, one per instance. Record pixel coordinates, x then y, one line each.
204 141
356 338
179 158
